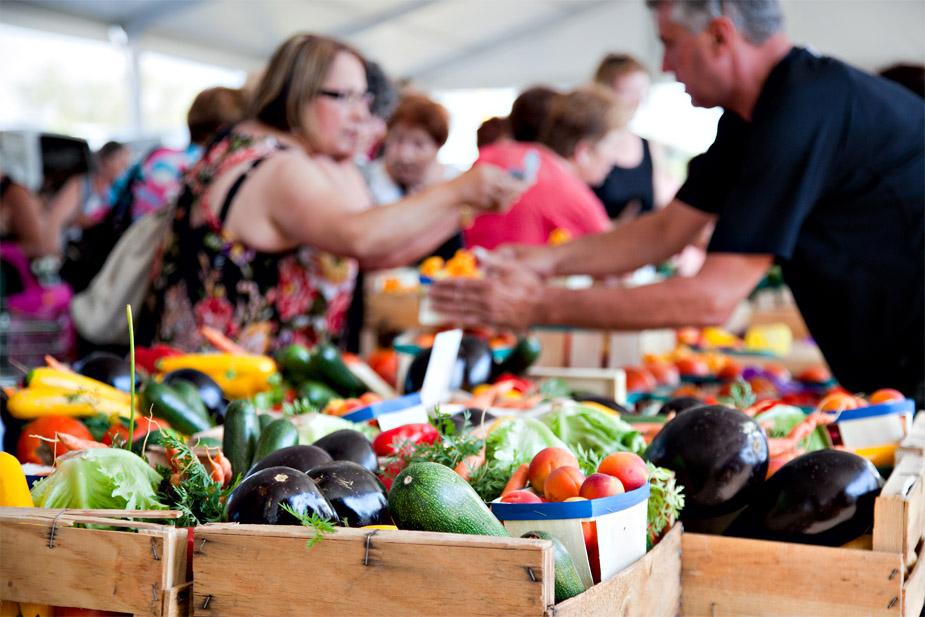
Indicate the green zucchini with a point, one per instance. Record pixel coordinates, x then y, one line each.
279 434
167 403
326 364
263 421
190 393
239 441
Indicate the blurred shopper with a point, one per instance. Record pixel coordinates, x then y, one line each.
575 149
272 224
912 76
638 182
816 165
384 94
493 130
83 201
22 221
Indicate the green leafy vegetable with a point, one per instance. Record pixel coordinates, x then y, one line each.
191 490
299 407
555 387
666 500
314 426
740 395
97 425
592 429
784 418
319 524
519 438
100 478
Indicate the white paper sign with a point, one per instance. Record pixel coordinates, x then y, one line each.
411 415
436 387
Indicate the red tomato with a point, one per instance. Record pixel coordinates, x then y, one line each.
142 425
779 371
665 374
815 374
730 371
27 447
70 611
692 367
639 379
385 363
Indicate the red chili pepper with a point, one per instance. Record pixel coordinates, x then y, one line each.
387 443
147 357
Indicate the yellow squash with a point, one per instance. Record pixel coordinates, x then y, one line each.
35 402
14 490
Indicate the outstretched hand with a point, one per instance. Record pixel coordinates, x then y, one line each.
509 296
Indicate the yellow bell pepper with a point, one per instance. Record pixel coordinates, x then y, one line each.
14 490
390 527
36 402
27 609
52 379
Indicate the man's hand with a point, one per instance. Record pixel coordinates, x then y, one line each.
539 259
509 296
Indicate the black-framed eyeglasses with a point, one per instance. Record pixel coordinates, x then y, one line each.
349 98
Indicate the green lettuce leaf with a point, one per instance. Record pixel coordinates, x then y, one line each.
784 418
519 439
314 426
592 429
100 478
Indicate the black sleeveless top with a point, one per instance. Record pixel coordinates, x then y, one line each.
623 187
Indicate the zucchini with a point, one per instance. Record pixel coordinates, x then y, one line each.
294 363
167 403
239 441
326 364
525 353
567 581
263 421
190 394
317 393
279 434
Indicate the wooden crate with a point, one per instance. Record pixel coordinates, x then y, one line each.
914 443
141 573
726 577
244 570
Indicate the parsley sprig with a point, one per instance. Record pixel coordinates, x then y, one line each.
310 518
666 500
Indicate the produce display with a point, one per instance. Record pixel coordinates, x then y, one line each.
226 436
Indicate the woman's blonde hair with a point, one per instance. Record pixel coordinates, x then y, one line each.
293 79
585 114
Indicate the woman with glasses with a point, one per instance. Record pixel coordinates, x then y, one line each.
275 219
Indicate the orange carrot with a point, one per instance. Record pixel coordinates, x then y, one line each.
218 473
59 366
470 464
222 342
518 480
72 443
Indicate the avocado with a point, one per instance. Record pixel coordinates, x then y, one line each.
568 583
431 497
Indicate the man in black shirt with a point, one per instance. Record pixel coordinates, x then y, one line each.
816 165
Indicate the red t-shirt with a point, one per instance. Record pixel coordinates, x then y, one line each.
558 199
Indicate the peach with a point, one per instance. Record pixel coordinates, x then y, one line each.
627 467
563 483
665 374
589 531
886 395
600 485
544 462
521 497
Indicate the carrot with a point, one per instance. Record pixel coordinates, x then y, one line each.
218 473
222 342
518 480
59 366
470 464
72 443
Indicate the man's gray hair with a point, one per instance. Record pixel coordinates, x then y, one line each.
757 20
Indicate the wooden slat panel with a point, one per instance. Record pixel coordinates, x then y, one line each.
88 568
899 514
914 590
408 574
726 577
651 587
914 443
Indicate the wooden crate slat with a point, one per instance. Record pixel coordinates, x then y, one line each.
914 443
650 587
407 574
914 589
733 576
899 513
89 568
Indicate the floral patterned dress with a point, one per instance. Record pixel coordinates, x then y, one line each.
208 278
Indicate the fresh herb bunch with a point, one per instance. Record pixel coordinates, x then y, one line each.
314 520
487 480
740 395
199 497
588 459
298 407
666 500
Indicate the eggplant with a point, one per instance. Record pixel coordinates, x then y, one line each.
719 455
824 497
679 404
358 497
302 458
209 391
476 418
110 369
473 366
349 445
257 499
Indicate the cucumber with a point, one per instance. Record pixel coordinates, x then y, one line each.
279 434
190 394
525 353
317 393
431 497
170 405
294 363
568 583
326 364
239 441
263 421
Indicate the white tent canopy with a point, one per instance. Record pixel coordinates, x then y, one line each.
447 44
